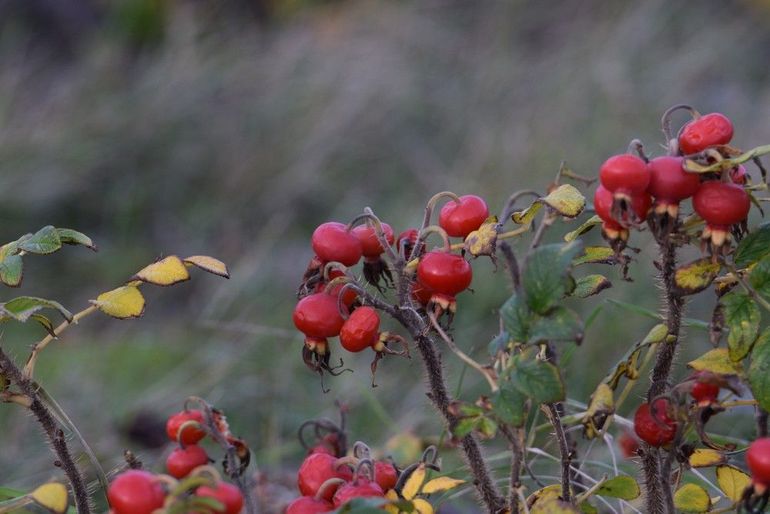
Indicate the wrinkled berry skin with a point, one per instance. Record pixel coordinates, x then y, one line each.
657 430
708 130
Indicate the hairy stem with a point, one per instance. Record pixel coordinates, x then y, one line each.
52 431
552 412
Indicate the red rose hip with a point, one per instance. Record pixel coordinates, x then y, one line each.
191 434
228 495
360 330
461 218
708 130
654 428
308 505
135 492
670 184
624 175
370 245
758 460
332 241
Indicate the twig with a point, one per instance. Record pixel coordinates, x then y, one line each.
514 437
552 413
513 264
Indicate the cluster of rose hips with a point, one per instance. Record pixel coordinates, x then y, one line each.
331 302
191 484
635 189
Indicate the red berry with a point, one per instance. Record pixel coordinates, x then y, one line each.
421 294
603 201
669 182
350 295
370 245
629 445
461 218
406 241
657 430
135 492
332 241
708 130
624 175
444 272
721 204
385 475
308 505
360 489
318 316
316 469
191 434
758 460
360 330
227 494
182 461
738 175
704 392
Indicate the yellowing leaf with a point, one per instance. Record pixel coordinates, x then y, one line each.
123 302
52 496
414 483
546 493
696 276
590 285
168 271
421 506
657 334
527 215
621 486
732 481
706 457
601 406
553 506
716 361
595 255
391 495
566 200
209 264
441 484
582 229
692 498
484 240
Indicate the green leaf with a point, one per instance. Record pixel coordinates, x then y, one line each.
742 318
760 277
545 277
595 255
44 241
516 318
692 498
23 307
463 427
716 361
72 237
536 379
499 343
560 325
587 508
621 486
582 229
753 247
759 370
12 270
695 276
509 405
486 427
590 285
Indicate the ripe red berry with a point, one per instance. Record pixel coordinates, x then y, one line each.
316 469
361 488
333 241
670 183
308 505
385 474
348 298
721 205
370 245
624 175
704 392
708 130
629 445
658 429
227 494
758 460
603 201
444 272
182 461
421 294
360 330
191 434
135 492
461 218
318 316
406 241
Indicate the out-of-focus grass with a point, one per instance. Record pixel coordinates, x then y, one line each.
237 140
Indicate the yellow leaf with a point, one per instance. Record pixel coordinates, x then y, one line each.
582 229
392 496
716 361
553 506
595 255
601 406
209 264
441 484
422 507
168 271
692 498
527 215
696 276
657 334
706 457
732 481
414 483
546 493
123 302
51 496
484 240
566 200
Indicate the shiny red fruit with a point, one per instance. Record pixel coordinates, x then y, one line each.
182 461
227 494
385 474
135 492
191 434
360 330
721 204
705 392
461 218
708 130
624 174
308 505
360 489
316 469
603 201
370 245
444 272
332 242
758 460
655 430
669 182
318 316
350 295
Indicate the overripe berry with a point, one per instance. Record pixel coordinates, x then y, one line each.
461 218
624 175
135 492
182 461
316 469
360 330
191 434
309 505
333 242
655 428
708 130
758 460
227 494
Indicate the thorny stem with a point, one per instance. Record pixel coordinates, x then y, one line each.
29 367
53 432
515 440
552 413
513 264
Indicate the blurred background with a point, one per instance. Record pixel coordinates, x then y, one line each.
235 127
